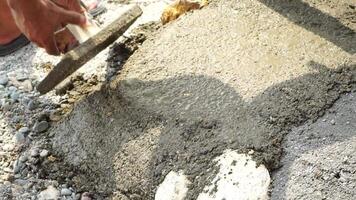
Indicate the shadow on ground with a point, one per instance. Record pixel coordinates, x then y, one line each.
316 21
124 140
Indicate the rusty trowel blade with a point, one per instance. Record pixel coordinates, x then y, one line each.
77 57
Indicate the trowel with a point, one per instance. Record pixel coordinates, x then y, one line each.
92 40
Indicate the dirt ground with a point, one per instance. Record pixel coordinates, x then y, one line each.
235 75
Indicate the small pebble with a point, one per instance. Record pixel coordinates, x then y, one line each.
19 138
3 80
65 192
29 185
31 105
24 130
7 183
6 106
25 101
21 182
23 158
332 122
17 166
77 197
44 153
8 170
16 119
21 77
34 152
12 88
55 116
86 196
14 96
27 86
7 177
17 176
8 147
40 127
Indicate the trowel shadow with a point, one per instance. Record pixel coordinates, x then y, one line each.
124 140
316 21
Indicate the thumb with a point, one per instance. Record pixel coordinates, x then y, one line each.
71 17
50 46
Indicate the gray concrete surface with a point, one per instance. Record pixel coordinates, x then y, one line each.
235 75
319 160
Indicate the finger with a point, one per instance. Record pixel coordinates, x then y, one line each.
73 5
51 47
77 7
71 17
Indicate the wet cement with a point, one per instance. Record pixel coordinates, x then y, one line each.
235 75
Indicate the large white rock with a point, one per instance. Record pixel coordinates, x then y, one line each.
238 179
174 187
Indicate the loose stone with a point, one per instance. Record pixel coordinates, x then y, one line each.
41 127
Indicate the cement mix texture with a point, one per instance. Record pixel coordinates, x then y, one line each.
237 75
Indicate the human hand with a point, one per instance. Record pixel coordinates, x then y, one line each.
40 19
